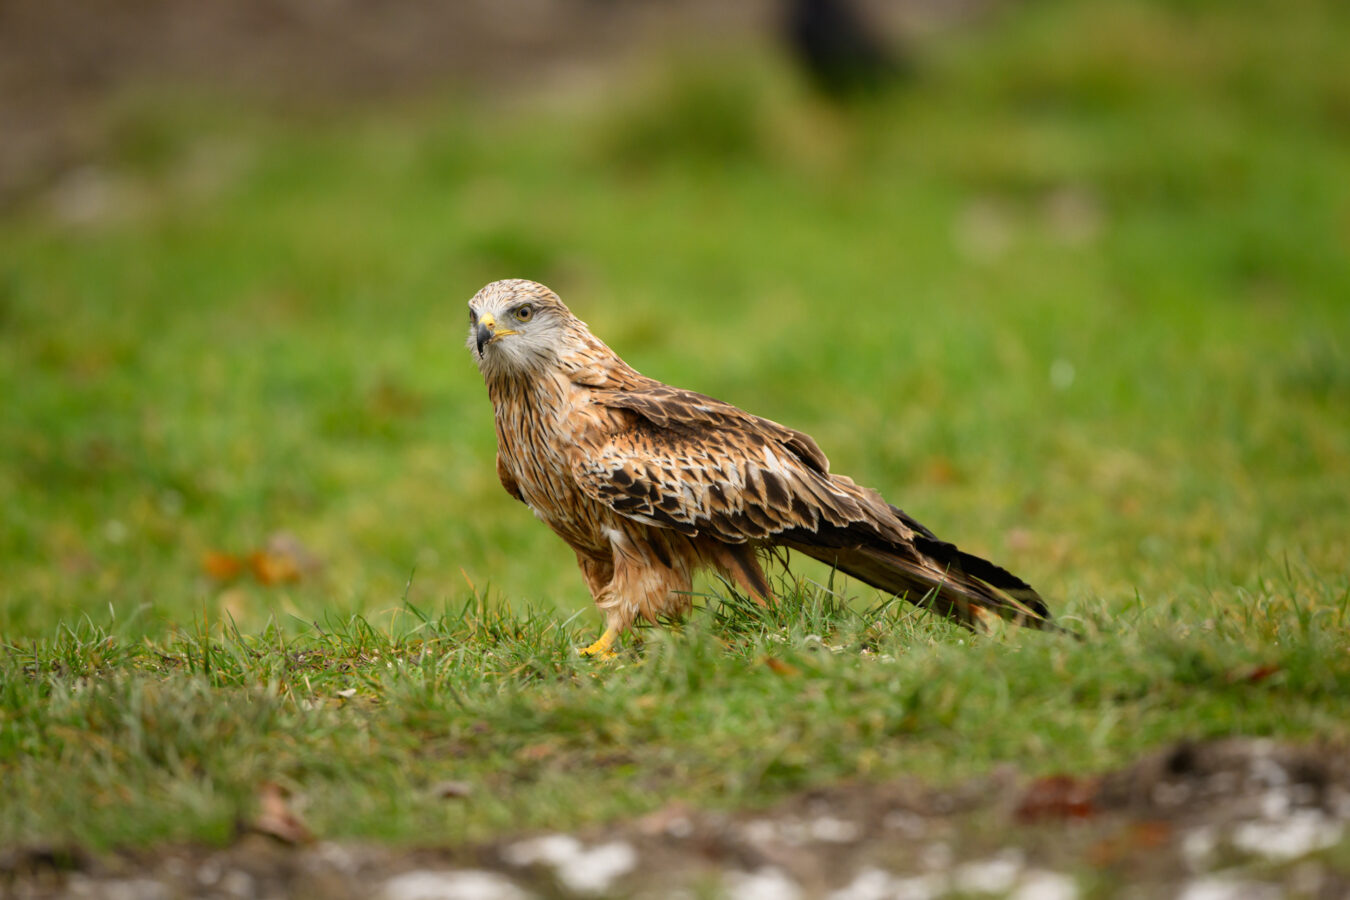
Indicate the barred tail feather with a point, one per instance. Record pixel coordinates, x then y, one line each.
934 574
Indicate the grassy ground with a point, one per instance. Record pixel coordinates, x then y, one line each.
1078 299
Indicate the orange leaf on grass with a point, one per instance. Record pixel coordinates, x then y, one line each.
284 559
1256 674
272 568
222 566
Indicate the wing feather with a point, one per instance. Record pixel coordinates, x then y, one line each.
703 467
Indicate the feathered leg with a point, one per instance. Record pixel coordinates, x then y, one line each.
648 580
598 572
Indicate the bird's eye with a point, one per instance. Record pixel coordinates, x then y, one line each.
525 312
473 317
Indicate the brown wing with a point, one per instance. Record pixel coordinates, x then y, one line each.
684 461
701 466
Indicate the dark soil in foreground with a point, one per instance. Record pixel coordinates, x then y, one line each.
1227 819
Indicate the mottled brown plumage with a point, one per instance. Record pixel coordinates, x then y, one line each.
649 483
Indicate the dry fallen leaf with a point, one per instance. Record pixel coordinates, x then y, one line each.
1058 797
270 568
283 560
276 818
787 670
1256 674
222 566
451 790
1149 835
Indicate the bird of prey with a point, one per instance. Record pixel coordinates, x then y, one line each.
649 483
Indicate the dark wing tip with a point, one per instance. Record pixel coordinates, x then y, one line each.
1034 609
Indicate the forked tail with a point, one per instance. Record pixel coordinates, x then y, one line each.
930 573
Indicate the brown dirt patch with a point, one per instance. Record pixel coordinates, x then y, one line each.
1233 818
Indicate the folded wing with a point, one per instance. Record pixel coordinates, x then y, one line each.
677 459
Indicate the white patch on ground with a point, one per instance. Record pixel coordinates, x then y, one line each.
875 884
1003 875
238 883
906 822
835 831
759 831
466 885
547 849
869 884
1038 884
1264 770
1276 803
580 870
595 870
936 856
1197 847
1288 838
919 887
335 856
765 884
989 876
1215 888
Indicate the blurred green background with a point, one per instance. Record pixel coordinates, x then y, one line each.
1075 292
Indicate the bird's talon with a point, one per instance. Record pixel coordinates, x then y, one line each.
603 647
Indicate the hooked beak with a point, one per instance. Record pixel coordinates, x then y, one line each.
487 332
484 333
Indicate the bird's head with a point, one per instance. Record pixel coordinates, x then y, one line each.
515 326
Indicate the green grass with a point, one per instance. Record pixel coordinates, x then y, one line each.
267 338
113 739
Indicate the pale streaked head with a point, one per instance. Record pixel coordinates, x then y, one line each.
516 325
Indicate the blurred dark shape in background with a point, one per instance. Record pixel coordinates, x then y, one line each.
841 51
63 69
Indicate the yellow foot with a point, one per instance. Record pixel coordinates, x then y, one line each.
601 649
